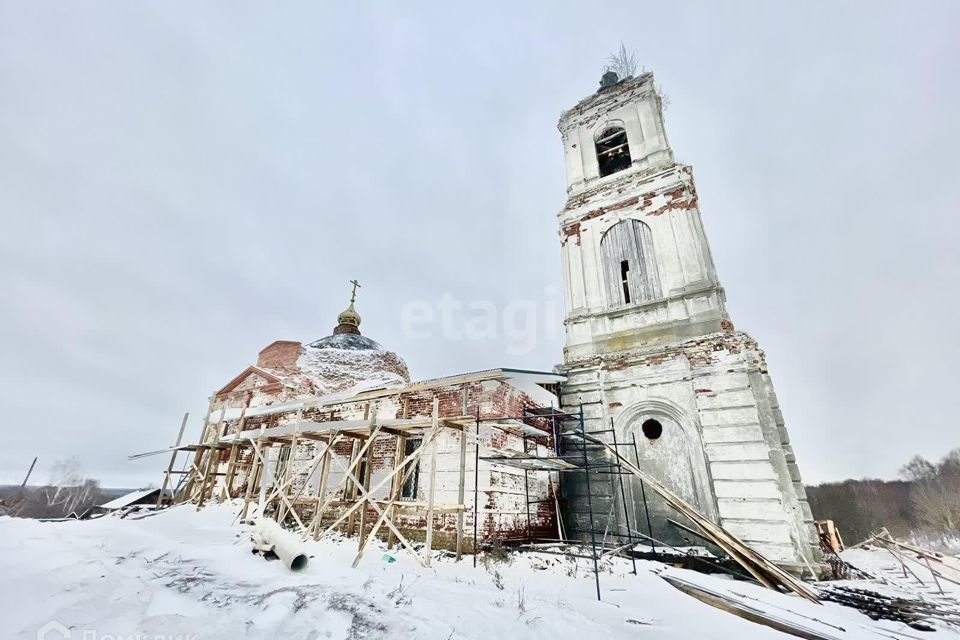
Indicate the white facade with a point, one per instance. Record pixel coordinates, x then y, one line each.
650 350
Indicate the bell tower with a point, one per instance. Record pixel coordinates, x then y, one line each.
637 266
651 354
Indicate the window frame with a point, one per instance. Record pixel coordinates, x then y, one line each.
413 482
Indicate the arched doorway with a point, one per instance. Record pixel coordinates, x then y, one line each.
669 448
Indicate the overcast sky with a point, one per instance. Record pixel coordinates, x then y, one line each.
182 183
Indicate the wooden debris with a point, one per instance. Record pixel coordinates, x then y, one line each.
829 535
939 565
915 613
765 572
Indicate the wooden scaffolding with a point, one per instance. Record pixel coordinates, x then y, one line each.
239 463
354 508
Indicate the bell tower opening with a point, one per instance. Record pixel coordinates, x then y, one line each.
613 151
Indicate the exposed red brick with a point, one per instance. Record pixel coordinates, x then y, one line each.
280 355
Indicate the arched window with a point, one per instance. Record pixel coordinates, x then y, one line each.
613 152
629 263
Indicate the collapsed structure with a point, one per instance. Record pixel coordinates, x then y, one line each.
660 405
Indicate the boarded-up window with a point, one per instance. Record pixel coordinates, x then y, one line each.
629 264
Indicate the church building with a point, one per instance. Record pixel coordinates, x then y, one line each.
334 434
651 352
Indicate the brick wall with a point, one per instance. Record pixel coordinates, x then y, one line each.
502 491
281 355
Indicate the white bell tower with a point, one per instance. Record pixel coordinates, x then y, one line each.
650 348
637 266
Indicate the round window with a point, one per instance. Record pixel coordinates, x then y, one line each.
652 429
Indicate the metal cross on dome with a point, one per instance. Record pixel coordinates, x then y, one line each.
353 295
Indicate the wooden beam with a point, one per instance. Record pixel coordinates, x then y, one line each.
461 490
312 463
766 573
283 498
415 455
355 458
367 471
396 485
322 489
193 475
255 470
291 460
212 456
365 498
173 459
226 494
431 490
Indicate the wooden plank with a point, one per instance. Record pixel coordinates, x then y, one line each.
396 485
351 491
313 462
255 470
461 489
415 455
367 473
322 490
366 499
206 420
193 475
266 476
431 490
212 456
355 458
173 459
232 464
383 519
288 467
283 498
767 573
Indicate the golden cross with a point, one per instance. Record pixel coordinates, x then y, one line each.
353 295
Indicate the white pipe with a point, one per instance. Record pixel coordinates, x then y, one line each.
270 536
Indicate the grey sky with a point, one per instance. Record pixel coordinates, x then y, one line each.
182 183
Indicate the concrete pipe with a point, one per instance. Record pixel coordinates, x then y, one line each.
270 536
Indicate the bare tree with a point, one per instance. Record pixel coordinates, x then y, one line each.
919 468
65 474
624 63
69 489
936 491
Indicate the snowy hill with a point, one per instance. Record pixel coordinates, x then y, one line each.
192 574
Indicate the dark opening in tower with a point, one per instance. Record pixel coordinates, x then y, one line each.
613 152
624 281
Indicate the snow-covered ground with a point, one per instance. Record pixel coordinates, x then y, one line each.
192 574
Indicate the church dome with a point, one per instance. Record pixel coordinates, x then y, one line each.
346 361
348 321
350 362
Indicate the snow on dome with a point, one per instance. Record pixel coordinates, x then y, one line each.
349 362
352 341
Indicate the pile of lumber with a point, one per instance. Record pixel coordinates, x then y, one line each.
940 566
916 613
